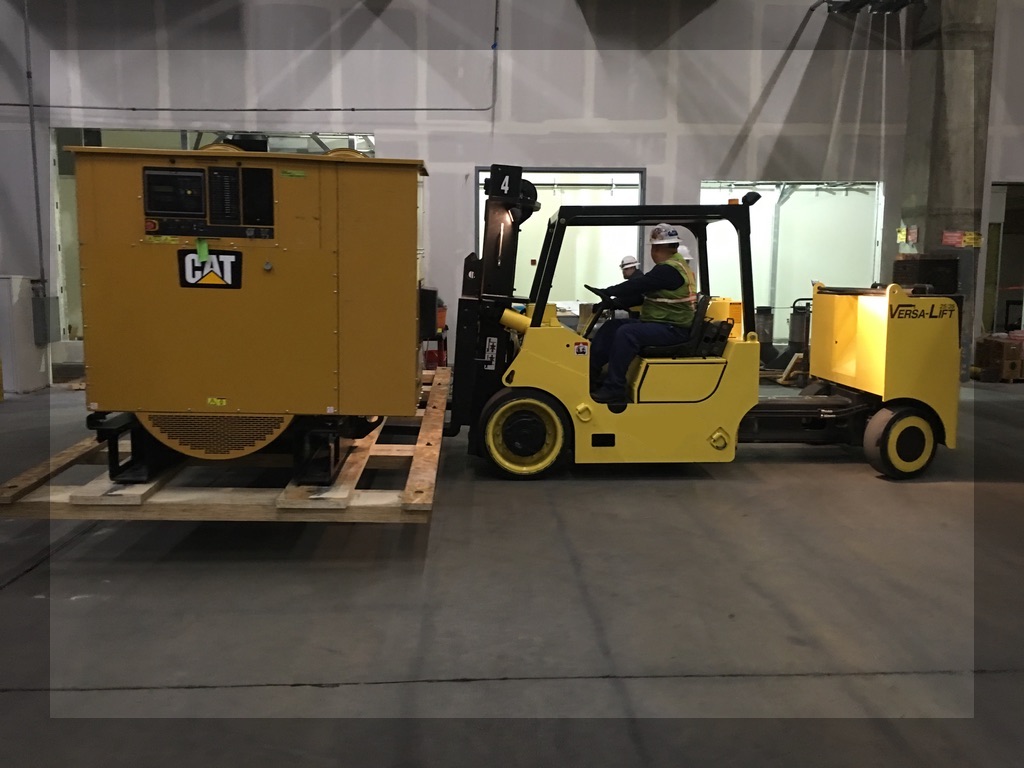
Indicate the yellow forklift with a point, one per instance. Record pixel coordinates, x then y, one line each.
884 361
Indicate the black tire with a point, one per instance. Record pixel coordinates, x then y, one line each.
524 432
900 441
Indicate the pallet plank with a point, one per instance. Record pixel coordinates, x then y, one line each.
419 489
103 491
28 481
214 505
398 450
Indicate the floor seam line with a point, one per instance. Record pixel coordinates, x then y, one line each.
551 678
48 554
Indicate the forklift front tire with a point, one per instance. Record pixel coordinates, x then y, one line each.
899 441
524 432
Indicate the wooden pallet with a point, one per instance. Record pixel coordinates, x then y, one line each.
175 494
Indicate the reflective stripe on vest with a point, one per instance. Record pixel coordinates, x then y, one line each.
691 297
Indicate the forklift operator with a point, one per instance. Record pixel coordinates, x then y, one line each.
667 297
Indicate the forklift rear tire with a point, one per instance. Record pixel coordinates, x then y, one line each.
899 441
524 432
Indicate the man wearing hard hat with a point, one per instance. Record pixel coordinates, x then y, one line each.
667 297
630 271
630 268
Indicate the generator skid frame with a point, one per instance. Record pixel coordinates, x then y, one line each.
884 363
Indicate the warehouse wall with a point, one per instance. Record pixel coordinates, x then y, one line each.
708 89
1005 162
1006 135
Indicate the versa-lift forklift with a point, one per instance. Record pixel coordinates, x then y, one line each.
884 361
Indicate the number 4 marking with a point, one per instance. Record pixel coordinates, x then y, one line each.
504 185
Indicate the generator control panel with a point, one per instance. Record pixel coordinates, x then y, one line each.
209 202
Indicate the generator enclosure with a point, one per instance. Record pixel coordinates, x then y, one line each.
220 282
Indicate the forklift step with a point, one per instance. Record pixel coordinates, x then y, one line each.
827 405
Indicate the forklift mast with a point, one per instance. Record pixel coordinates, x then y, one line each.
483 347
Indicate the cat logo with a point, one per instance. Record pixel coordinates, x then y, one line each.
221 269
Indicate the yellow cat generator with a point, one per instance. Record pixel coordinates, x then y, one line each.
233 300
884 360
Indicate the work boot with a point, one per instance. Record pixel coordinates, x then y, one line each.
607 394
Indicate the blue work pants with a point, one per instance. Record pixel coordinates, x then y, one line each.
617 342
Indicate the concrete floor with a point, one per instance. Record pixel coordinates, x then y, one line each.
787 609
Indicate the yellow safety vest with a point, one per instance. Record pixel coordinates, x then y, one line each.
676 306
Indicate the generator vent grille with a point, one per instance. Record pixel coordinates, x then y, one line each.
213 436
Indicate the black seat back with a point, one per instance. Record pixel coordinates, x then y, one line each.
690 347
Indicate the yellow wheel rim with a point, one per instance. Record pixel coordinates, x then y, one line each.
910 444
517 458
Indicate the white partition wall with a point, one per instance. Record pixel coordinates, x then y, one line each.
801 232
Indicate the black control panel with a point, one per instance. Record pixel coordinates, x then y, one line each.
170 192
213 202
225 197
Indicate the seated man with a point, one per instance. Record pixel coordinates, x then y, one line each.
668 298
630 271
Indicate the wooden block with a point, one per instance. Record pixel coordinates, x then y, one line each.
788 373
312 497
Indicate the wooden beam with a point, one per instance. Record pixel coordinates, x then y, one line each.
392 449
216 504
39 475
419 489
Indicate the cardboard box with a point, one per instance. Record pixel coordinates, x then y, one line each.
997 352
1010 369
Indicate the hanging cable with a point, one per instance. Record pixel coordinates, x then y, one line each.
35 152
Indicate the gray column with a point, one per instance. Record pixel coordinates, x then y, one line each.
947 133
947 129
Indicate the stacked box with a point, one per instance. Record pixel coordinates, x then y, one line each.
999 358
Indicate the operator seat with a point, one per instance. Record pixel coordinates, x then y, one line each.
707 337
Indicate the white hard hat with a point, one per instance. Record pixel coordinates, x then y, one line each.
663 234
684 252
628 261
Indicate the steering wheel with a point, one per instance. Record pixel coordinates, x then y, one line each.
607 303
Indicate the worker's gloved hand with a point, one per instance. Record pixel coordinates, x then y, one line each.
601 292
